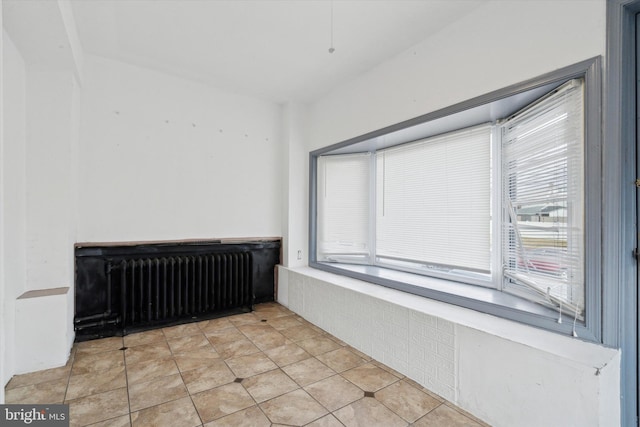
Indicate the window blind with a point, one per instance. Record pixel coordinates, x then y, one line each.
433 201
543 194
343 208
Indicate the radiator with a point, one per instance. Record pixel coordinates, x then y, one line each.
157 289
123 288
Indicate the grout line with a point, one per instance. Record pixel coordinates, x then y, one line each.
126 379
72 357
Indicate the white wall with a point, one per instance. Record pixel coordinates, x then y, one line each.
13 206
3 328
39 171
496 45
296 160
49 182
164 158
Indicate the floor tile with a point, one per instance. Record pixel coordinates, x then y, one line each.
334 392
121 421
88 362
445 416
466 414
181 330
208 377
141 353
90 383
215 324
423 389
369 412
255 330
196 359
299 332
250 417
308 371
148 370
339 341
312 326
341 359
388 369
157 391
370 377
219 402
270 312
248 366
406 401
326 421
44 392
359 353
224 336
98 407
294 408
270 340
318 345
39 377
283 323
177 413
236 348
287 354
268 385
188 343
244 319
142 338
100 346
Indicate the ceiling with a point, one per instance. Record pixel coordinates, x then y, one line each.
271 49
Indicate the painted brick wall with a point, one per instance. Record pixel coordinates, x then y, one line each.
418 345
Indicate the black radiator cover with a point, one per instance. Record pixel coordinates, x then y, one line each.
97 313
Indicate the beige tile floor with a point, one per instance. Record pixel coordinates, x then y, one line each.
265 368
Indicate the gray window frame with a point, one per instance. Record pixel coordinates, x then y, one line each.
488 300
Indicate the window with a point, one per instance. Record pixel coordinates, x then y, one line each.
481 205
433 202
343 205
543 192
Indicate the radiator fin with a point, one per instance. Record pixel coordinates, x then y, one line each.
155 290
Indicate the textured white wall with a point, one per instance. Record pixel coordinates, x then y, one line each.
13 271
164 158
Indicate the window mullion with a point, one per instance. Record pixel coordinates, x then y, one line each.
372 208
497 277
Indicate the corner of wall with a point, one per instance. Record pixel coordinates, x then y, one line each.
3 346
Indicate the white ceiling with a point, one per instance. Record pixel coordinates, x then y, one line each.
271 49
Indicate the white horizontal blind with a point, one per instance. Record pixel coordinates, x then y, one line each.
433 201
543 193
343 208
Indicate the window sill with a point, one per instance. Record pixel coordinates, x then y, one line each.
483 300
